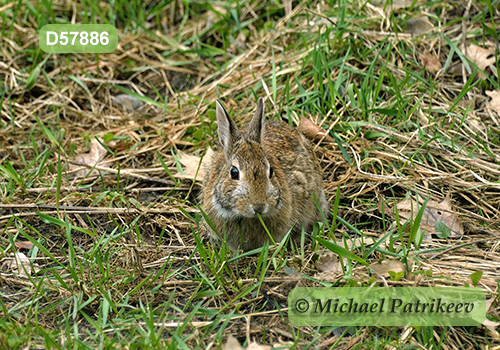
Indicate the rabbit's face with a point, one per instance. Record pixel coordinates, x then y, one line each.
248 181
248 187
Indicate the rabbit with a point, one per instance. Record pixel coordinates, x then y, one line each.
267 168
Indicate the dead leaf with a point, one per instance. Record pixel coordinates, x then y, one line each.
383 268
494 70
492 328
431 62
494 103
233 344
93 157
291 272
191 163
328 262
24 245
330 267
433 213
467 104
19 264
358 242
489 302
482 58
254 346
395 4
126 102
477 125
418 26
312 131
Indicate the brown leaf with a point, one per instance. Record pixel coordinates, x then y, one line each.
383 268
358 242
431 62
433 213
395 4
19 264
455 69
254 346
418 26
467 104
494 103
232 344
24 245
477 125
190 164
330 267
126 102
492 328
489 304
482 58
312 131
93 157
328 262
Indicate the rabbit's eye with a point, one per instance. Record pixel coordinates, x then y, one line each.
271 172
235 173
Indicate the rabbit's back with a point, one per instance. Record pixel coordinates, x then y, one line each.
303 173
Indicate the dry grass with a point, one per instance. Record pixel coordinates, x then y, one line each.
400 132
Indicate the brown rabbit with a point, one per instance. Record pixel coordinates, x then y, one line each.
267 168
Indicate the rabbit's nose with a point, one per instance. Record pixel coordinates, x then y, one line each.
259 208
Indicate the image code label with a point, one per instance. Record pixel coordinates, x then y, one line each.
78 38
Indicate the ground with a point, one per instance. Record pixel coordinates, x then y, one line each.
402 102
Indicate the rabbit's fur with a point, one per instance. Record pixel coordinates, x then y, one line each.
277 175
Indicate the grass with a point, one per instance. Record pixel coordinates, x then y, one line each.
123 260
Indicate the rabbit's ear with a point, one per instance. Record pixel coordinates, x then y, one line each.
256 127
227 129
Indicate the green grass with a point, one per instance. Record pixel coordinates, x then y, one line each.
124 265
